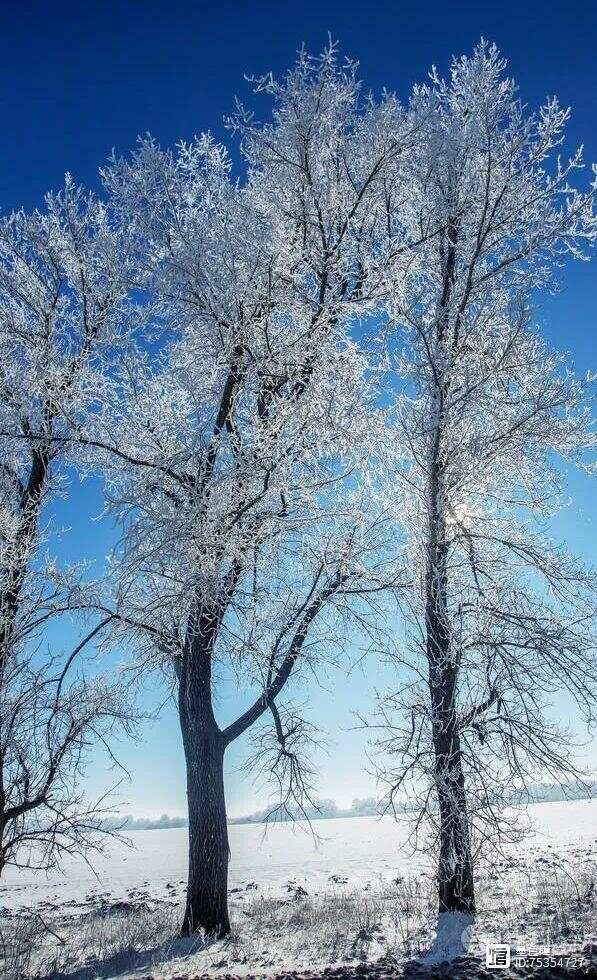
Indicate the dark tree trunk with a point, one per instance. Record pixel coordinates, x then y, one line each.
207 888
13 575
3 853
204 747
455 869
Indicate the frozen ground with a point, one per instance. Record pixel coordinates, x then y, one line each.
354 848
356 895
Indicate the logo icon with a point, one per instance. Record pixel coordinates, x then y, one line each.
497 956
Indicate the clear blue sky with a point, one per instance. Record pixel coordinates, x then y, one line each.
82 78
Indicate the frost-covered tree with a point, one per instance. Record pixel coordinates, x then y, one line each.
503 618
61 282
239 460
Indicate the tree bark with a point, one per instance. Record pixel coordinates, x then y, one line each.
204 747
13 576
455 868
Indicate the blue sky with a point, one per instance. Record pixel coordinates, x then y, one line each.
81 79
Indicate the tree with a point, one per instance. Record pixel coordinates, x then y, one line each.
503 618
51 715
237 461
60 287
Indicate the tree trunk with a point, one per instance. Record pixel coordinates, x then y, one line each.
455 869
207 889
13 576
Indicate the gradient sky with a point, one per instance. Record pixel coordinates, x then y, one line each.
83 78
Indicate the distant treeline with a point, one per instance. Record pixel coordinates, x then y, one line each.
322 810
329 809
121 822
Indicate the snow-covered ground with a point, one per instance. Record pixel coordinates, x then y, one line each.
357 849
353 848
282 881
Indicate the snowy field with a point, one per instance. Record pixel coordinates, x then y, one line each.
356 850
282 882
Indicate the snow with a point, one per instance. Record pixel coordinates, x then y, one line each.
358 894
356 847
352 850
455 931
